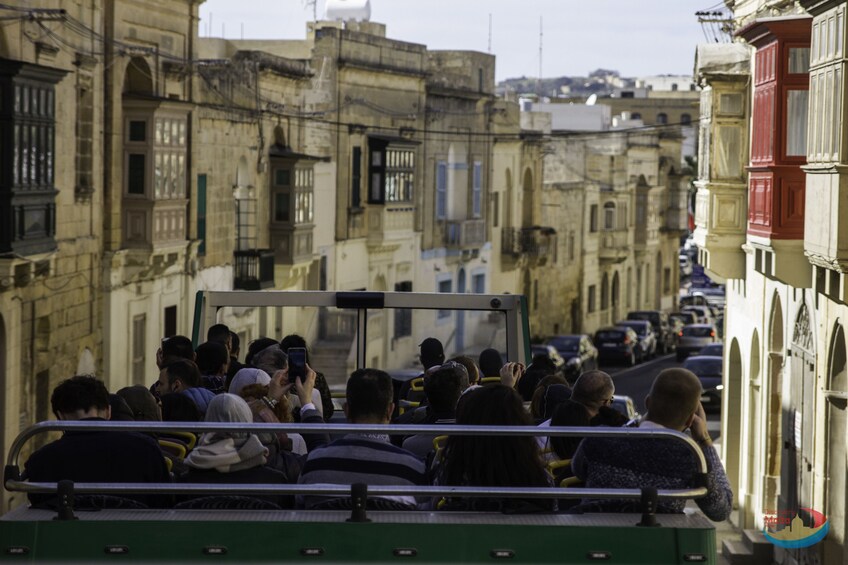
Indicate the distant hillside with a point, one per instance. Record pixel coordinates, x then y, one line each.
601 82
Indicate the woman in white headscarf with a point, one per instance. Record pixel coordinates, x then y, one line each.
232 457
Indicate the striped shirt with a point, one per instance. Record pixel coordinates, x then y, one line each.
362 458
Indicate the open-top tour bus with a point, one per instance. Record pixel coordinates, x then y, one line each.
367 324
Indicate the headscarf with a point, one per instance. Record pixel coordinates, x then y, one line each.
228 451
248 376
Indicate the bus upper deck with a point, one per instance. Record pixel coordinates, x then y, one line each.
359 535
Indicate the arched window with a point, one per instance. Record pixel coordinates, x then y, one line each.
685 119
662 118
635 116
609 216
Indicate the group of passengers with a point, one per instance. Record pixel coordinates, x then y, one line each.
210 384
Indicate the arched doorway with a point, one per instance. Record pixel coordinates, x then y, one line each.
799 419
837 384
753 448
774 393
527 199
460 314
732 415
615 297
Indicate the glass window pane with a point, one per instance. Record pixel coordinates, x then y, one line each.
138 130
135 174
796 118
799 60
160 136
282 207
282 177
730 103
166 132
158 175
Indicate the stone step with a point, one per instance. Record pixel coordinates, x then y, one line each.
761 549
735 553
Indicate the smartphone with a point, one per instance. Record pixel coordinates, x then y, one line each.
297 363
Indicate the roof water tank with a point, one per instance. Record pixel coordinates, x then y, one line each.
347 10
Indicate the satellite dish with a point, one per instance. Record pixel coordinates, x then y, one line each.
592 99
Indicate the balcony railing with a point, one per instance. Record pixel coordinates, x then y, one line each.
614 246
465 234
536 242
254 269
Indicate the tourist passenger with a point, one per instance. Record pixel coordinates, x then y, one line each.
490 363
327 408
174 348
255 347
470 367
94 456
177 407
274 360
232 457
551 391
539 368
364 458
443 388
673 403
120 410
184 377
234 366
143 404
213 360
493 461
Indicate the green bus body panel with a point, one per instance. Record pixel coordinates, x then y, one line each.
433 540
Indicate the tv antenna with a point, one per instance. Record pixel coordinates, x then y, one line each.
314 5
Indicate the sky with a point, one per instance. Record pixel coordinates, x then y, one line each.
635 37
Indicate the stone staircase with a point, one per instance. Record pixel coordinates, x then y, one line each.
752 549
330 357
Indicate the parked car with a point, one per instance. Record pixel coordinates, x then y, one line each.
685 266
618 344
647 338
704 313
665 335
692 300
712 350
551 352
626 406
578 351
708 369
686 317
694 337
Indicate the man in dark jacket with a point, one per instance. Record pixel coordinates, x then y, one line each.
95 457
184 377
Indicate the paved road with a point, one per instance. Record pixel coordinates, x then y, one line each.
635 382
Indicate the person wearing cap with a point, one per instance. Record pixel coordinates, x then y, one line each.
432 353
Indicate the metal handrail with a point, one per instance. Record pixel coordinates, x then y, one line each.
13 483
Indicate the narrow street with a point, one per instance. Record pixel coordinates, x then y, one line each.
635 382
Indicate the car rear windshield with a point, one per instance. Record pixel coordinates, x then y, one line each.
610 336
565 343
647 316
697 331
704 366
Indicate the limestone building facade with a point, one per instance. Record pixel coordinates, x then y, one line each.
770 223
